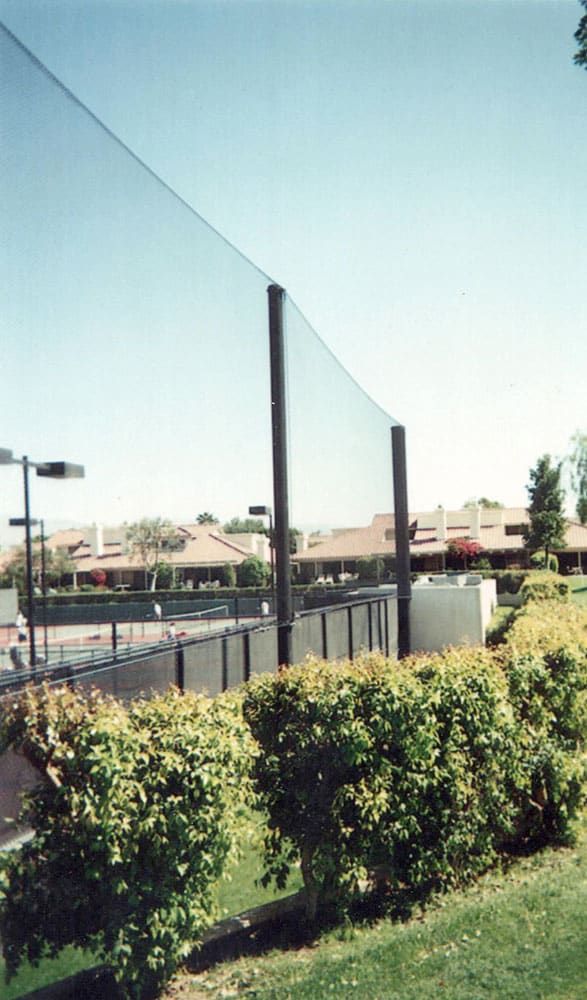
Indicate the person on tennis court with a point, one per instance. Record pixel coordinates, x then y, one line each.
171 630
20 622
157 611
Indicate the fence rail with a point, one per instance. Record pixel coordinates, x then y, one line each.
208 663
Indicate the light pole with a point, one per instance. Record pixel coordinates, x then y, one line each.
264 511
51 470
21 522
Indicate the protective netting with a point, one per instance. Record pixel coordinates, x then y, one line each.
340 440
136 340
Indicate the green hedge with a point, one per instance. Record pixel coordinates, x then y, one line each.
369 762
426 768
508 581
429 767
132 828
148 596
541 585
545 660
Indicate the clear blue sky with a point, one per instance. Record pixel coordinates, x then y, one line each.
413 173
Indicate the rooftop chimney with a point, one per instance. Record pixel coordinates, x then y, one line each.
475 530
441 524
95 539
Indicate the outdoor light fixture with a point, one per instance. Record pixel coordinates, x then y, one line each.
52 470
20 522
60 470
261 511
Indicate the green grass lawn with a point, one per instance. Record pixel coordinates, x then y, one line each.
578 585
240 890
515 936
520 935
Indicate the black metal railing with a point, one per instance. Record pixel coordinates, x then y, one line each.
208 663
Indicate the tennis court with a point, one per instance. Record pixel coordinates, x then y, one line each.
58 643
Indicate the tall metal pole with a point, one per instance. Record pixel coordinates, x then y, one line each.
44 590
272 558
29 564
402 539
280 486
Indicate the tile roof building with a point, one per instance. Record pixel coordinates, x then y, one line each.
202 551
499 531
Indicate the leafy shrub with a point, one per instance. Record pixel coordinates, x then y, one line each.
510 581
164 578
317 761
538 561
481 563
507 581
252 572
228 575
544 586
133 824
545 625
428 767
545 660
411 766
465 807
464 549
370 568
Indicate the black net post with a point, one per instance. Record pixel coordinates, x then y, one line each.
402 539
280 484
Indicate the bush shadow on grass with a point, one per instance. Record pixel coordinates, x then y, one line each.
284 925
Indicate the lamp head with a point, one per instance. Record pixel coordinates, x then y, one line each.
60 470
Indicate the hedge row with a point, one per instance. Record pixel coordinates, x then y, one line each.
508 581
133 827
427 769
148 596
543 586
432 766
365 763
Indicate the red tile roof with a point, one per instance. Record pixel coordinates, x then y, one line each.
376 538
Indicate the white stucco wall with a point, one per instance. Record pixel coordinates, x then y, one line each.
450 614
8 605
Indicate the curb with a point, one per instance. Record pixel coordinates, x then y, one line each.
223 940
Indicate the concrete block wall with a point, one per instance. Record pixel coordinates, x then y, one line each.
8 605
444 613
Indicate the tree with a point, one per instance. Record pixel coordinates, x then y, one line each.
547 522
147 539
207 518
165 576
254 525
482 502
245 526
581 38
57 566
578 460
253 572
370 568
294 534
464 548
